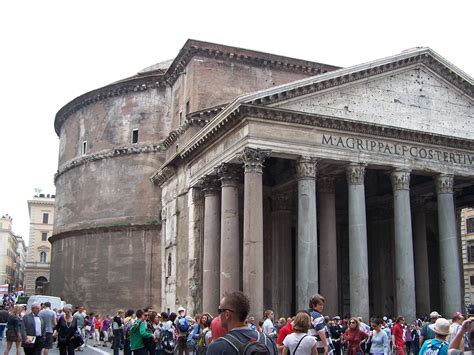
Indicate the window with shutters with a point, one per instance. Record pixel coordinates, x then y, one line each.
470 225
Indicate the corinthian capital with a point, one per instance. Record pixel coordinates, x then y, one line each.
444 184
253 159
355 174
228 174
209 185
400 179
306 168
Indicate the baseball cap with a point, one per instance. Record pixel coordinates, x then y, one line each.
435 314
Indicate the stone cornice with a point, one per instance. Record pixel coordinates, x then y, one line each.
427 59
134 84
322 121
120 151
104 229
160 177
190 49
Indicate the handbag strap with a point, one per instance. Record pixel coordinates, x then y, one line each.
297 345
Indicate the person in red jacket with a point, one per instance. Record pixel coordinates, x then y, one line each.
354 337
397 337
287 329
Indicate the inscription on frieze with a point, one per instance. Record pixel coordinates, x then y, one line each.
397 149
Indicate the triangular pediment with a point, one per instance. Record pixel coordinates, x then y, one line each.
414 98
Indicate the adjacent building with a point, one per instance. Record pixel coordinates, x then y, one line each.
8 252
20 264
228 169
38 260
467 238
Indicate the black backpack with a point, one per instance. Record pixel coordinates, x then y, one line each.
253 347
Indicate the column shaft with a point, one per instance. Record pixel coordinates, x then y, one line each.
422 285
358 260
307 252
450 273
253 228
328 244
281 255
404 263
211 248
230 257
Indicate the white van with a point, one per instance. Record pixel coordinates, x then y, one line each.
55 301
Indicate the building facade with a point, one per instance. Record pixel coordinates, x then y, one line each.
20 264
8 252
38 259
233 169
467 239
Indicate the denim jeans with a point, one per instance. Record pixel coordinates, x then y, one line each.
117 342
2 330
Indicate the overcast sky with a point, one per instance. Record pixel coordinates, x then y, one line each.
54 51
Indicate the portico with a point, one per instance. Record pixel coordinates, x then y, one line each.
350 183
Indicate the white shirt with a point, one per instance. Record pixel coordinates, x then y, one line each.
37 325
292 340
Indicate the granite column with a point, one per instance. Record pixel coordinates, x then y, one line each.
211 248
450 273
253 228
422 280
358 257
307 242
404 263
230 258
328 243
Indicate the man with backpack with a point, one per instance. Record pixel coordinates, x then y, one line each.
438 345
182 326
233 311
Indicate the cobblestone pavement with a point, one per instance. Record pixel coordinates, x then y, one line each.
88 350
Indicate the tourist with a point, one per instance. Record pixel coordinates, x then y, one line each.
437 345
318 324
139 331
283 333
32 331
49 319
354 337
233 310
456 345
457 320
80 317
117 324
267 327
398 343
128 322
337 331
65 331
378 338
13 335
299 342
427 331
182 325
150 319
105 329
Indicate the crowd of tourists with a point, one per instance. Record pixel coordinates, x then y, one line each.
231 331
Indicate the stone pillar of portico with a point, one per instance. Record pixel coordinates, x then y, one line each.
307 242
253 228
450 273
420 246
404 264
281 254
230 258
328 243
358 258
211 247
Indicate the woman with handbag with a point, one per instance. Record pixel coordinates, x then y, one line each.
299 342
13 330
66 332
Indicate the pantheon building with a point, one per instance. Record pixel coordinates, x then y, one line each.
230 169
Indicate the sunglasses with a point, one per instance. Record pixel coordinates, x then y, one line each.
221 310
